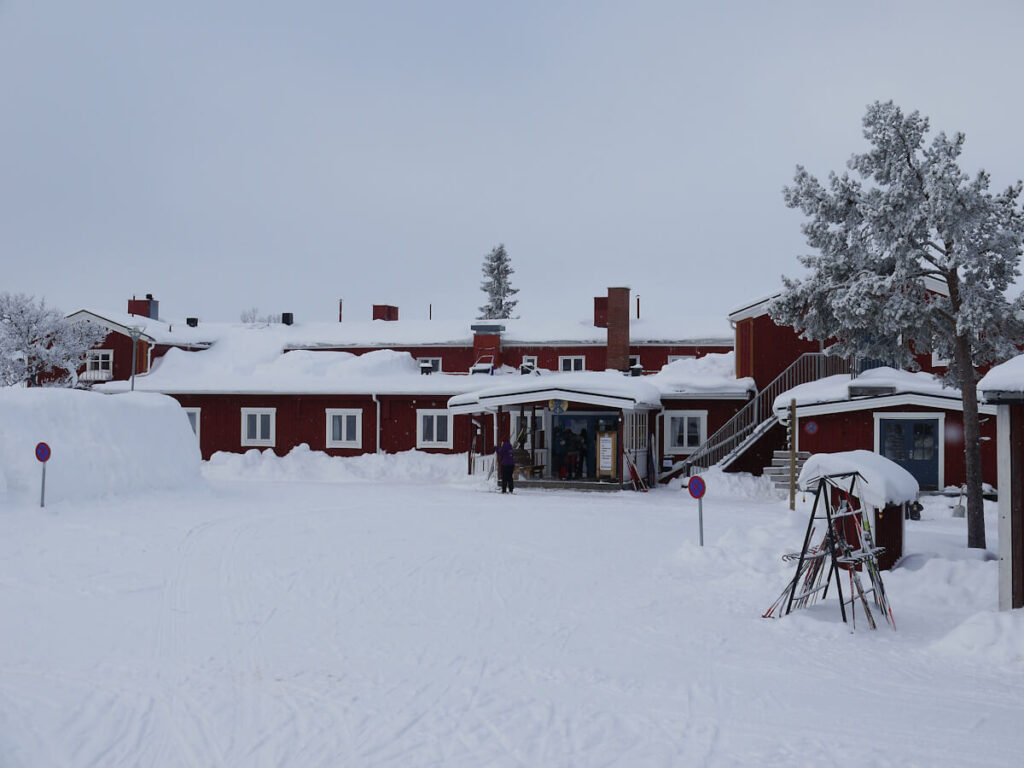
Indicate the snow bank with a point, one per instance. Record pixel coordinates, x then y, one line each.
993 637
303 464
101 445
883 482
736 485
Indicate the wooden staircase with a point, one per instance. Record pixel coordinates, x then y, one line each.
778 472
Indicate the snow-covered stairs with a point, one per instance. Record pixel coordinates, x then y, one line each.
779 469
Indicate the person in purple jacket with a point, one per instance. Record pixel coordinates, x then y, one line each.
507 464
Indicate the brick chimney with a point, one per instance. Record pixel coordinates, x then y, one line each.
147 307
385 312
600 311
618 328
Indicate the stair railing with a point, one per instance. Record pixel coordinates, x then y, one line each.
754 418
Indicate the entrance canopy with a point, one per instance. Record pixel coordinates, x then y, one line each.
609 389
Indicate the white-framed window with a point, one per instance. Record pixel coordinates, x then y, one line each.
520 427
685 431
572 363
938 361
344 428
258 426
530 360
435 363
433 428
99 365
634 360
192 414
673 358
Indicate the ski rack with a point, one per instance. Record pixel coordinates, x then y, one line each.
840 552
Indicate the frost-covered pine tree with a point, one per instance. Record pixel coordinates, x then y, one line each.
497 268
913 256
36 339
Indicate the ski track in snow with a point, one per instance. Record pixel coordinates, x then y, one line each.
304 624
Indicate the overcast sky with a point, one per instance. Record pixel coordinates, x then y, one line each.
226 155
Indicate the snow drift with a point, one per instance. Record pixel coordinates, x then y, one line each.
101 445
305 465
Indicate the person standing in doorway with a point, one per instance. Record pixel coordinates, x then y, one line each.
506 464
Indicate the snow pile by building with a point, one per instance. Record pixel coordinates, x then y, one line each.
303 464
881 481
100 445
995 637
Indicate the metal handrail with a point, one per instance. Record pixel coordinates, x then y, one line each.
756 416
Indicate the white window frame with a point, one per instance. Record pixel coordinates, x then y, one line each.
674 358
634 360
702 431
530 360
434 361
356 442
257 442
94 359
938 361
572 359
434 413
196 412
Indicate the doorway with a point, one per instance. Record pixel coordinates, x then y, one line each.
914 444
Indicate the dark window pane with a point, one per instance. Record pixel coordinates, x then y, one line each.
442 429
250 426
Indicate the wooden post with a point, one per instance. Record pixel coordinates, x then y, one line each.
792 454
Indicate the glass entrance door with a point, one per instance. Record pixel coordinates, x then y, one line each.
913 444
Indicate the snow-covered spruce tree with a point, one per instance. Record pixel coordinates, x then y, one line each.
497 268
36 339
913 256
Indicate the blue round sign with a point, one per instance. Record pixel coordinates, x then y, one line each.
811 427
43 452
696 486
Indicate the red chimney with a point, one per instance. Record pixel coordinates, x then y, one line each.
600 311
618 329
385 312
147 307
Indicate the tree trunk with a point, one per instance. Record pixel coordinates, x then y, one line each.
972 444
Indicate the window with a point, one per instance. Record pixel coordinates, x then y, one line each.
433 429
530 360
572 363
99 365
193 420
938 361
435 363
634 360
673 358
258 426
685 430
344 428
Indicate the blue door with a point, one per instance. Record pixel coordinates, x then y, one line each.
914 445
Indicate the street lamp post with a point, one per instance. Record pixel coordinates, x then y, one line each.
135 333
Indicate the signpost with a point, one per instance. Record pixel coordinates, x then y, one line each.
697 489
43 454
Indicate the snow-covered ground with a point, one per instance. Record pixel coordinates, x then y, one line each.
391 612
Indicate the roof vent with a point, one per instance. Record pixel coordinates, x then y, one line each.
426 368
191 322
636 370
866 390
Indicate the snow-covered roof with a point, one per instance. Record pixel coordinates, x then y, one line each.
1004 382
682 331
877 382
882 481
753 308
712 375
155 331
609 388
256 363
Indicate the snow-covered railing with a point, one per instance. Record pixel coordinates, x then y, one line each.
757 416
